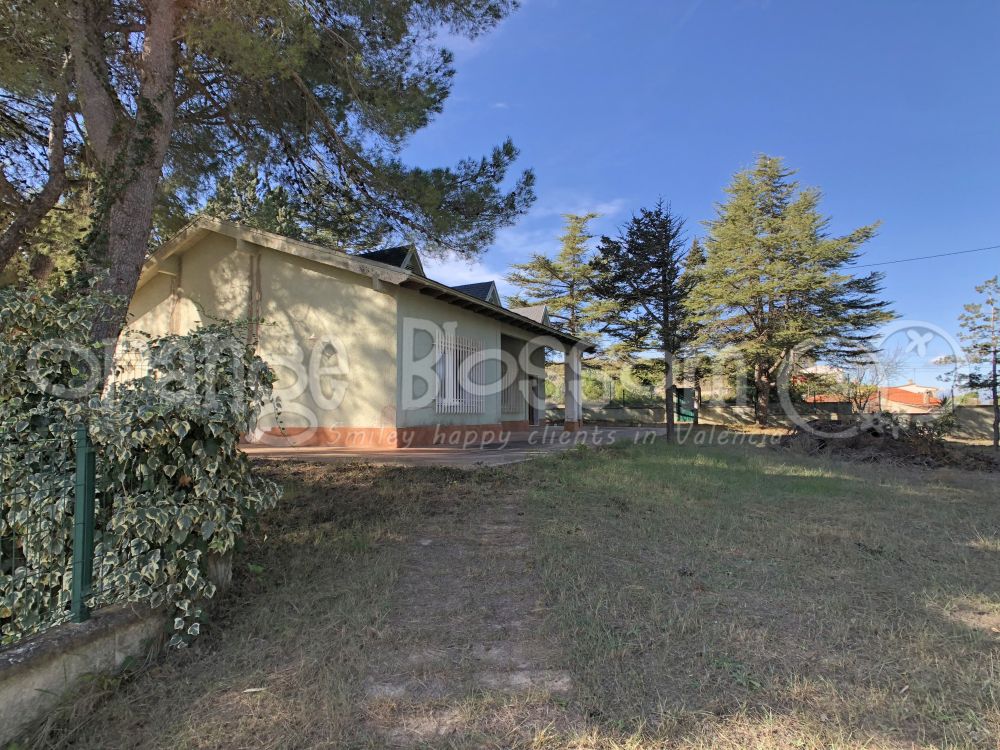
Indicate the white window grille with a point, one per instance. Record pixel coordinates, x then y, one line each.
459 370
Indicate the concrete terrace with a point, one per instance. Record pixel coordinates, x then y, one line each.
513 447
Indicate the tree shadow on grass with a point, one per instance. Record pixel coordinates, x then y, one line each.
713 594
700 598
286 649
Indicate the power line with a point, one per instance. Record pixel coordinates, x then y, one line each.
928 257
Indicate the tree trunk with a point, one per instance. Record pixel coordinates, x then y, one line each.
697 399
130 221
41 267
132 166
996 403
668 383
762 384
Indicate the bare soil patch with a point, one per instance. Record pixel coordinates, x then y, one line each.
877 443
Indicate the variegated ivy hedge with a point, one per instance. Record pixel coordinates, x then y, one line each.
173 489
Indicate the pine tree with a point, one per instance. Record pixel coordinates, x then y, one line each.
164 94
641 272
323 214
242 197
774 280
981 336
695 358
564 283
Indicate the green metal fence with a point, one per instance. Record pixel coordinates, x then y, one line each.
83 525
49 580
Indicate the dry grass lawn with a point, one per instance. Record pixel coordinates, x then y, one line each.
631 597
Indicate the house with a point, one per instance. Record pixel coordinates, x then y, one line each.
368 351
909 398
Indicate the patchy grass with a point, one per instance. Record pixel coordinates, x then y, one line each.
288 646
695 597
745 598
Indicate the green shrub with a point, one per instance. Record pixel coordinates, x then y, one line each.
173 488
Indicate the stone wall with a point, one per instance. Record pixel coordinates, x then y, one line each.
36 673
974 422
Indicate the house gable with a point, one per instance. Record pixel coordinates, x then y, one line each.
484 290
405 257
538 313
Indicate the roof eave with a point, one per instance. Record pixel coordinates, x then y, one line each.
202 225
444 292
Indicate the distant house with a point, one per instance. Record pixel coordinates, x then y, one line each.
908 399
368 350
825 398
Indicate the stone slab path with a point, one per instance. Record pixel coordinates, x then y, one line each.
466 657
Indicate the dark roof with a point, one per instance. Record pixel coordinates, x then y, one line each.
480 290
393 256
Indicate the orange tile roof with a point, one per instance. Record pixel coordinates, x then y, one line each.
903 396
825 398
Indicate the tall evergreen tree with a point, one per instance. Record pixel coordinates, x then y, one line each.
981 335
774 280
241 197
642 273
694 356
162 92
564 283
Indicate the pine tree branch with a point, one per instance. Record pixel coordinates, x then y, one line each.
29 215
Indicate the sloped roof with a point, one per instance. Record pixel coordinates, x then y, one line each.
394 256
484 290
538 313
404 256
824 398
916 388
908 397
409 278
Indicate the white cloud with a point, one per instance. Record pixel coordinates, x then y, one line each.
452 270
557 205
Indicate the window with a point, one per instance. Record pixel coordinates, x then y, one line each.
459 366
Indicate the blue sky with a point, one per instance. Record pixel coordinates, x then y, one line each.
890 107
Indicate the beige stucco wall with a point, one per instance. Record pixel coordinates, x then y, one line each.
211 281
150 308
417 312
425 312
517 407
329 336
894 407
334 329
